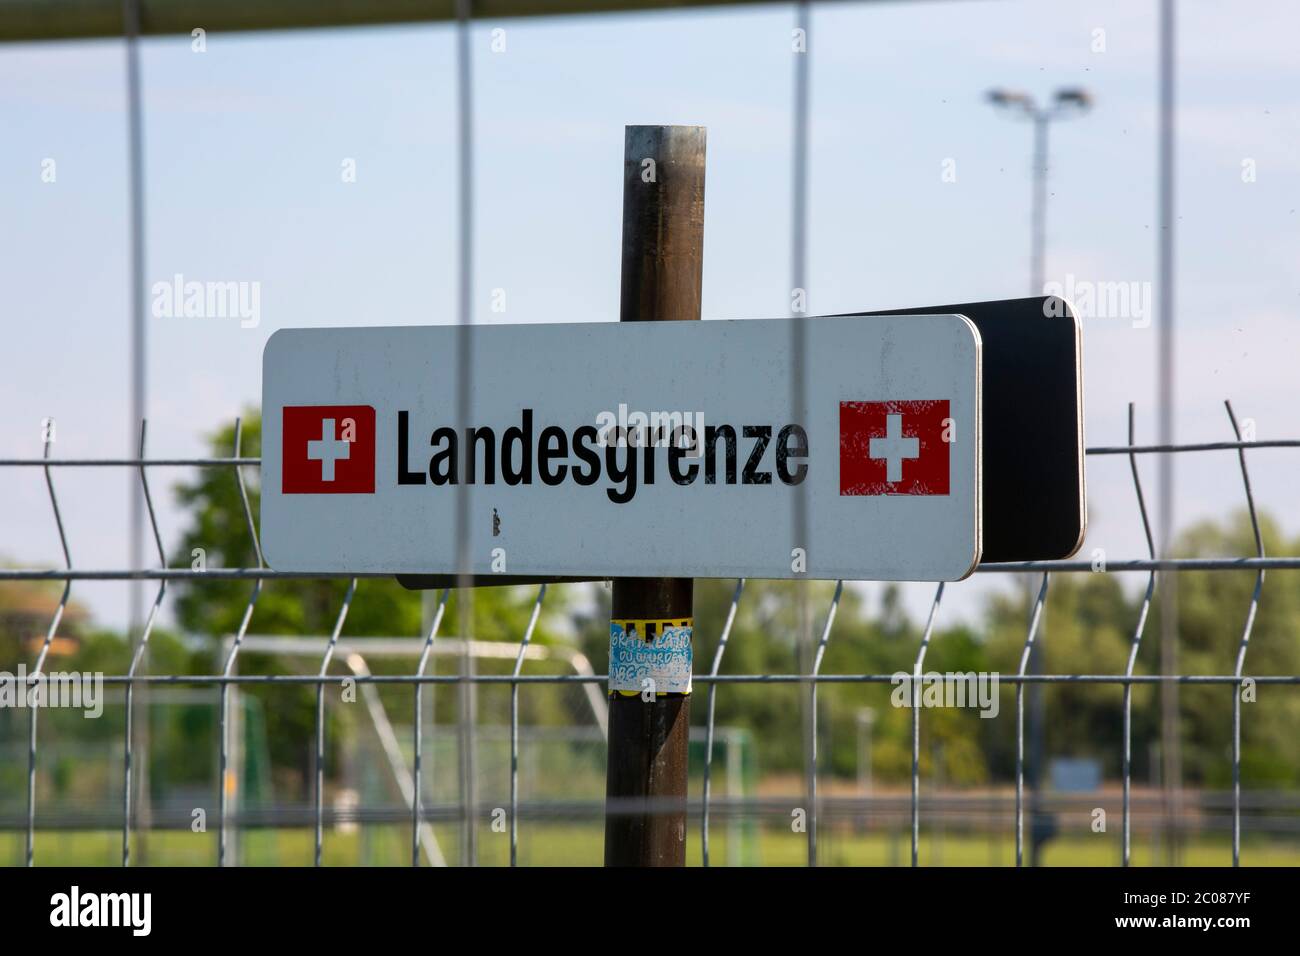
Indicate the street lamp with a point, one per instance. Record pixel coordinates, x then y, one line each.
1067 102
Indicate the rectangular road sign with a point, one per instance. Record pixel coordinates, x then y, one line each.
1035 504
363 455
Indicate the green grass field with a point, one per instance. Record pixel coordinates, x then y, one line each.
547 844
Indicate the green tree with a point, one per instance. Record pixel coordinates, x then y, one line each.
1088 628
218 532
380 607
1212 611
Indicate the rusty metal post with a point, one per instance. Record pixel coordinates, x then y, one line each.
663 259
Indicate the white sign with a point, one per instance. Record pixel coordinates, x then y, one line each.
657 449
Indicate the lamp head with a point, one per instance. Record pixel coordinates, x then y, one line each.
1015 102
1072 98
1013 99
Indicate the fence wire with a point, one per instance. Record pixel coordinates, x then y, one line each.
420 817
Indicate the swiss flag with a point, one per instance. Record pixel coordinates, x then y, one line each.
894 448
328 450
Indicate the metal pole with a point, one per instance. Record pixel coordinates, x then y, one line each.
798 401
467 719
1038 822
663 258
1037 713
1038 225
866 717
135 533
1172 771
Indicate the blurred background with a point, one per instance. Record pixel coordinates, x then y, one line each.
318 170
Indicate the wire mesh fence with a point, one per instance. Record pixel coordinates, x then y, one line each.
809 680
419 817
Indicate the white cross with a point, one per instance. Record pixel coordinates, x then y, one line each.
894 448
328 450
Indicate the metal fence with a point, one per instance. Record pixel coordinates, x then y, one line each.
713 680
64 21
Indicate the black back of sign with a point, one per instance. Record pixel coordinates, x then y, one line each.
1034 492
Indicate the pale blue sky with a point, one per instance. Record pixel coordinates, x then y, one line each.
245 144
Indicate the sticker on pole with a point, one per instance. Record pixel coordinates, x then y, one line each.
650 658
655 449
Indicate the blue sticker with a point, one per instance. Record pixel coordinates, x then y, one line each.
656 650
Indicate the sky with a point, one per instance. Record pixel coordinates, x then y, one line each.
919 194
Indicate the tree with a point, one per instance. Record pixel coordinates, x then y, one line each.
1089 628
218 533
1212 613
218 530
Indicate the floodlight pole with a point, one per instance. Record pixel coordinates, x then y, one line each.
1069 101
1038 225
663 258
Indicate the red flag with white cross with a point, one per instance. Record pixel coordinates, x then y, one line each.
895 448
328 449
